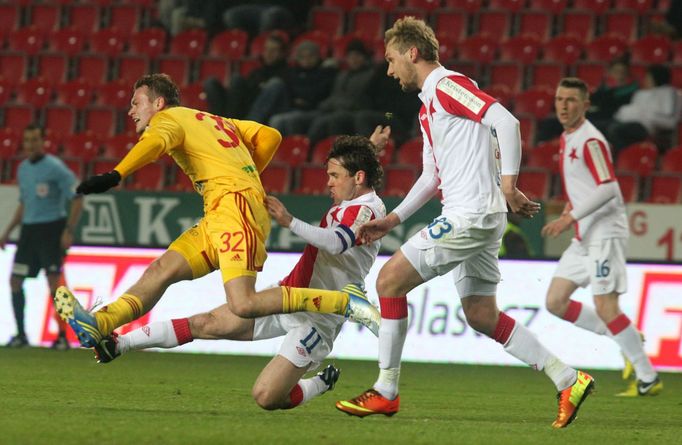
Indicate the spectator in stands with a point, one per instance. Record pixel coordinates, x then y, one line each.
290 103
672 23
46 185
349 94
515 244
257 16
386 104
653 111
615 91
237 100
180 15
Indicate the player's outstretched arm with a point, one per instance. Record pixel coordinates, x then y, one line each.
99 183
518 202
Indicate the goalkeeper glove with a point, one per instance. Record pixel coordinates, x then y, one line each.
99 183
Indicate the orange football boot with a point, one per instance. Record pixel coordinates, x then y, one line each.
368 403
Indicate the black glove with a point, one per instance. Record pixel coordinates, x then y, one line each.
99 183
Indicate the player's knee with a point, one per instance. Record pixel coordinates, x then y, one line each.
266 398
243 307
482 321
388 283
555 305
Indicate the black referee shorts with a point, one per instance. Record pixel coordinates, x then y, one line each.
39 247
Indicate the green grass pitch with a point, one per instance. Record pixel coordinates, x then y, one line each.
49 397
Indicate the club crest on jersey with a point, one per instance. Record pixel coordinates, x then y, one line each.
317 301
574 154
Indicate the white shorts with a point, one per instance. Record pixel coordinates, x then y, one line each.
308 338
602 265
470 243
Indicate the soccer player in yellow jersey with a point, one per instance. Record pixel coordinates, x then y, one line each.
223 158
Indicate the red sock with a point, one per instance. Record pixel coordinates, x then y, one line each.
504 328
182 330
296 396
393 308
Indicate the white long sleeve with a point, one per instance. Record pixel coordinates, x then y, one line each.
333 240
602 194
423 189
506 131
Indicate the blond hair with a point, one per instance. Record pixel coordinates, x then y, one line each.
409 32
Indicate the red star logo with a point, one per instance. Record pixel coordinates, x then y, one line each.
335 214
573 156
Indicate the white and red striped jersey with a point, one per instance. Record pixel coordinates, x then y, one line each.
320 269
465 152
585 162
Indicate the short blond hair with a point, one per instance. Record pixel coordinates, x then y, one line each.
408 32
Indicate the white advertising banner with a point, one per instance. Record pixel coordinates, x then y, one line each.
437 328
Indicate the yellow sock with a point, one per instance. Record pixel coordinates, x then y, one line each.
298 299
127 308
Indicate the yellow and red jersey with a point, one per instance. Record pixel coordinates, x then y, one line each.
208 148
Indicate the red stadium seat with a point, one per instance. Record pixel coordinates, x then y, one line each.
596 6
125 18
345 5
29 41
326 19
37 92
76 166
319 37
629 185
367 21
521 49
527 123
385 5
451 22
665 188
312 180
230 44
216 67
650 50
117 146
85 145
9 17
593 73
77 93
190 43
68 41
579 23
276 179
62 117
85 17
18 116
293 150
535 183
320 151
639 158
555 7
641 6
479 48
115 94
545 155
536 101
537 23
150 42
10 139
92 67
45 17
399 179
150 177
109 42
672 160
100 120
546 74
6 91
53 67
622 23
410 153
566 49
100 166
401 12
177 67
507 73
193 96
497 24
132 67
425 5
502 93
13 67
606 47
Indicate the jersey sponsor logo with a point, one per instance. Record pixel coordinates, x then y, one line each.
601 165
364 215
461 95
